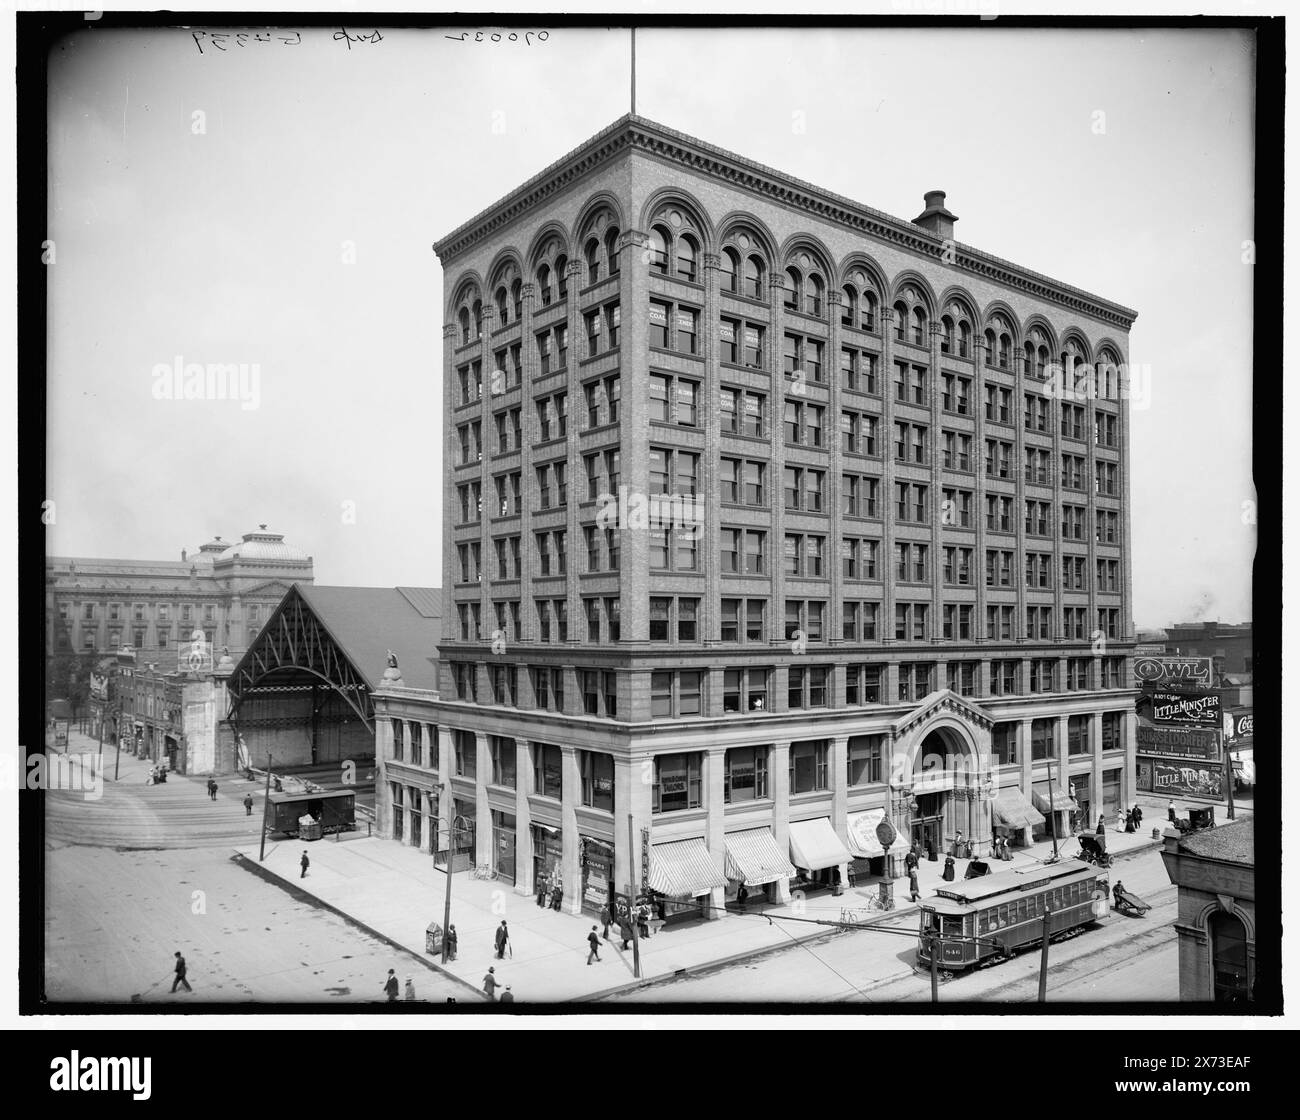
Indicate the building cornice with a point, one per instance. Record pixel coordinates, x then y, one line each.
631 133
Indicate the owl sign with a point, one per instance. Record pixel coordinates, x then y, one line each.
196 656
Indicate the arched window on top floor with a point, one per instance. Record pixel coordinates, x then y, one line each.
465 335
544 285
611 249
755 270
790 288
687 257
849 310
918 325
900 321
561 279
592 252
517 298
813 294
659 250
478 318
729 272
503 306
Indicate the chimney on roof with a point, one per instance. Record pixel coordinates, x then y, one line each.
182 555
936 218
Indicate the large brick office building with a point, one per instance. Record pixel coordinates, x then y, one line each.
869 555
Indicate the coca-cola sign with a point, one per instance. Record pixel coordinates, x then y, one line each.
1238 724
1199 709
1169 672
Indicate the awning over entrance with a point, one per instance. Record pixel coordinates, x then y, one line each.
1061 801
814 845
754 858
863 842
683 867
1012 809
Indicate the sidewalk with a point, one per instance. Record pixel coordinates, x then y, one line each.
393 890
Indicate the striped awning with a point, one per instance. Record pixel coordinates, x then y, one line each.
683 868
754 857
1012 809
814 845
1061 801
863 842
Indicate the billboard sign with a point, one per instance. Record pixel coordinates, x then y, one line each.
1186 779
1186 742
1239 725
1187 708
1157 671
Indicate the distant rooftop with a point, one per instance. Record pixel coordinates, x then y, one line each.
1232 843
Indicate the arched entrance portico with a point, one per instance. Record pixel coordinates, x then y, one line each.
940 775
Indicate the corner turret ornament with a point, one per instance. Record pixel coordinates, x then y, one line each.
392 674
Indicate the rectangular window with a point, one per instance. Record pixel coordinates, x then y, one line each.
503 761
597 772
744 775
808 766
677 782
547 770
865 754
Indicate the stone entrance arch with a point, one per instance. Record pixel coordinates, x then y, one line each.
941 772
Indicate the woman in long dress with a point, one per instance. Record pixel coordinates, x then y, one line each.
949 869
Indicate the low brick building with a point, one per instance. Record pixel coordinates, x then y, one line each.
1214 871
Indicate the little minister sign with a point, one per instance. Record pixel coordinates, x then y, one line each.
1188 708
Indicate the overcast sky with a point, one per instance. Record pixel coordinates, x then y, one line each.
204 206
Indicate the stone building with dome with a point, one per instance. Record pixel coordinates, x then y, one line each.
225 590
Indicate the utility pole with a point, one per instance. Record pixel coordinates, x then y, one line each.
118 760
1042 964
266 804
1051 805
631 894
934 968
446 905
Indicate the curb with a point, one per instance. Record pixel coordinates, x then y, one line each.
297 892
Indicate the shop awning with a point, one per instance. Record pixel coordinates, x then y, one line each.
683 867
814 845
1061 801
755 858
1243 765
1012 809
863 843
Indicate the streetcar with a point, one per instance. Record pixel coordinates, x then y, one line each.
1005 912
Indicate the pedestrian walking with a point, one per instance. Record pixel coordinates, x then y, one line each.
502 939
452 939
911 860
949 869
214 791
624 931
248 804
305 863
541 893
1101 822
607 919
742 896
390 986
914 884
1137 816
410 990
643 921
507 996
557 896
180 973
490 983
594 942
1173 813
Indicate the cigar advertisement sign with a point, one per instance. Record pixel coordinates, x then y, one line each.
1187 709
1183 742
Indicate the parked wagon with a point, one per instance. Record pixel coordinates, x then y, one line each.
331 810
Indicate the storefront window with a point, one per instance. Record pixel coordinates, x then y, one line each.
677 782
466 747
865 759
547 772
503 761
744 775
808 769
1004 744
597 780
597 858
1228 939
1044 739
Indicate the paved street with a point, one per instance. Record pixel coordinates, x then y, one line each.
148 870
1121 959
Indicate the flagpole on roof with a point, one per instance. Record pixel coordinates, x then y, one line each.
634 71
